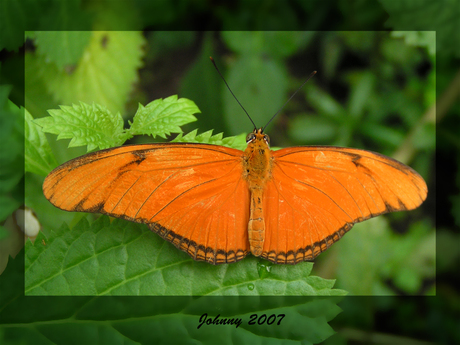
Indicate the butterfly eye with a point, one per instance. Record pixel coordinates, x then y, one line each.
267 139
250 137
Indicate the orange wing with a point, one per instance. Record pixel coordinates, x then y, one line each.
193 195
317 193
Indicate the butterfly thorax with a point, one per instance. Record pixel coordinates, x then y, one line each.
257 161
257 164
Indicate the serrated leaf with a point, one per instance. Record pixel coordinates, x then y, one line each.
124 258
64 48
91 125
39 158
159 320
237 142
104 74
163 116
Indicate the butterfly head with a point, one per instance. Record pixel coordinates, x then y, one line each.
258 135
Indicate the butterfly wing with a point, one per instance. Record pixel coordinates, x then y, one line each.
316 194
193 195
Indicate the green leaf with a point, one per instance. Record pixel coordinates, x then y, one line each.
236 142
39 158
124 258
104 74
91 125
64 48
163 116
158 320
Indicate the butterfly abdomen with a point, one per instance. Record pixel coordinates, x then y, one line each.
256 225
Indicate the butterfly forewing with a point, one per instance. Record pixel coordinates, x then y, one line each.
191 194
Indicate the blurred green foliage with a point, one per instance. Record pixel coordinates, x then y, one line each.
374 90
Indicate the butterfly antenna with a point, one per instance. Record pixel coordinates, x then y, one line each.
228 87
301 86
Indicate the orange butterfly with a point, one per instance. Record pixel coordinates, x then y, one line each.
218 203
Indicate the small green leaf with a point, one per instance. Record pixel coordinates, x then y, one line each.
163 117
91 125
236 142
39 158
